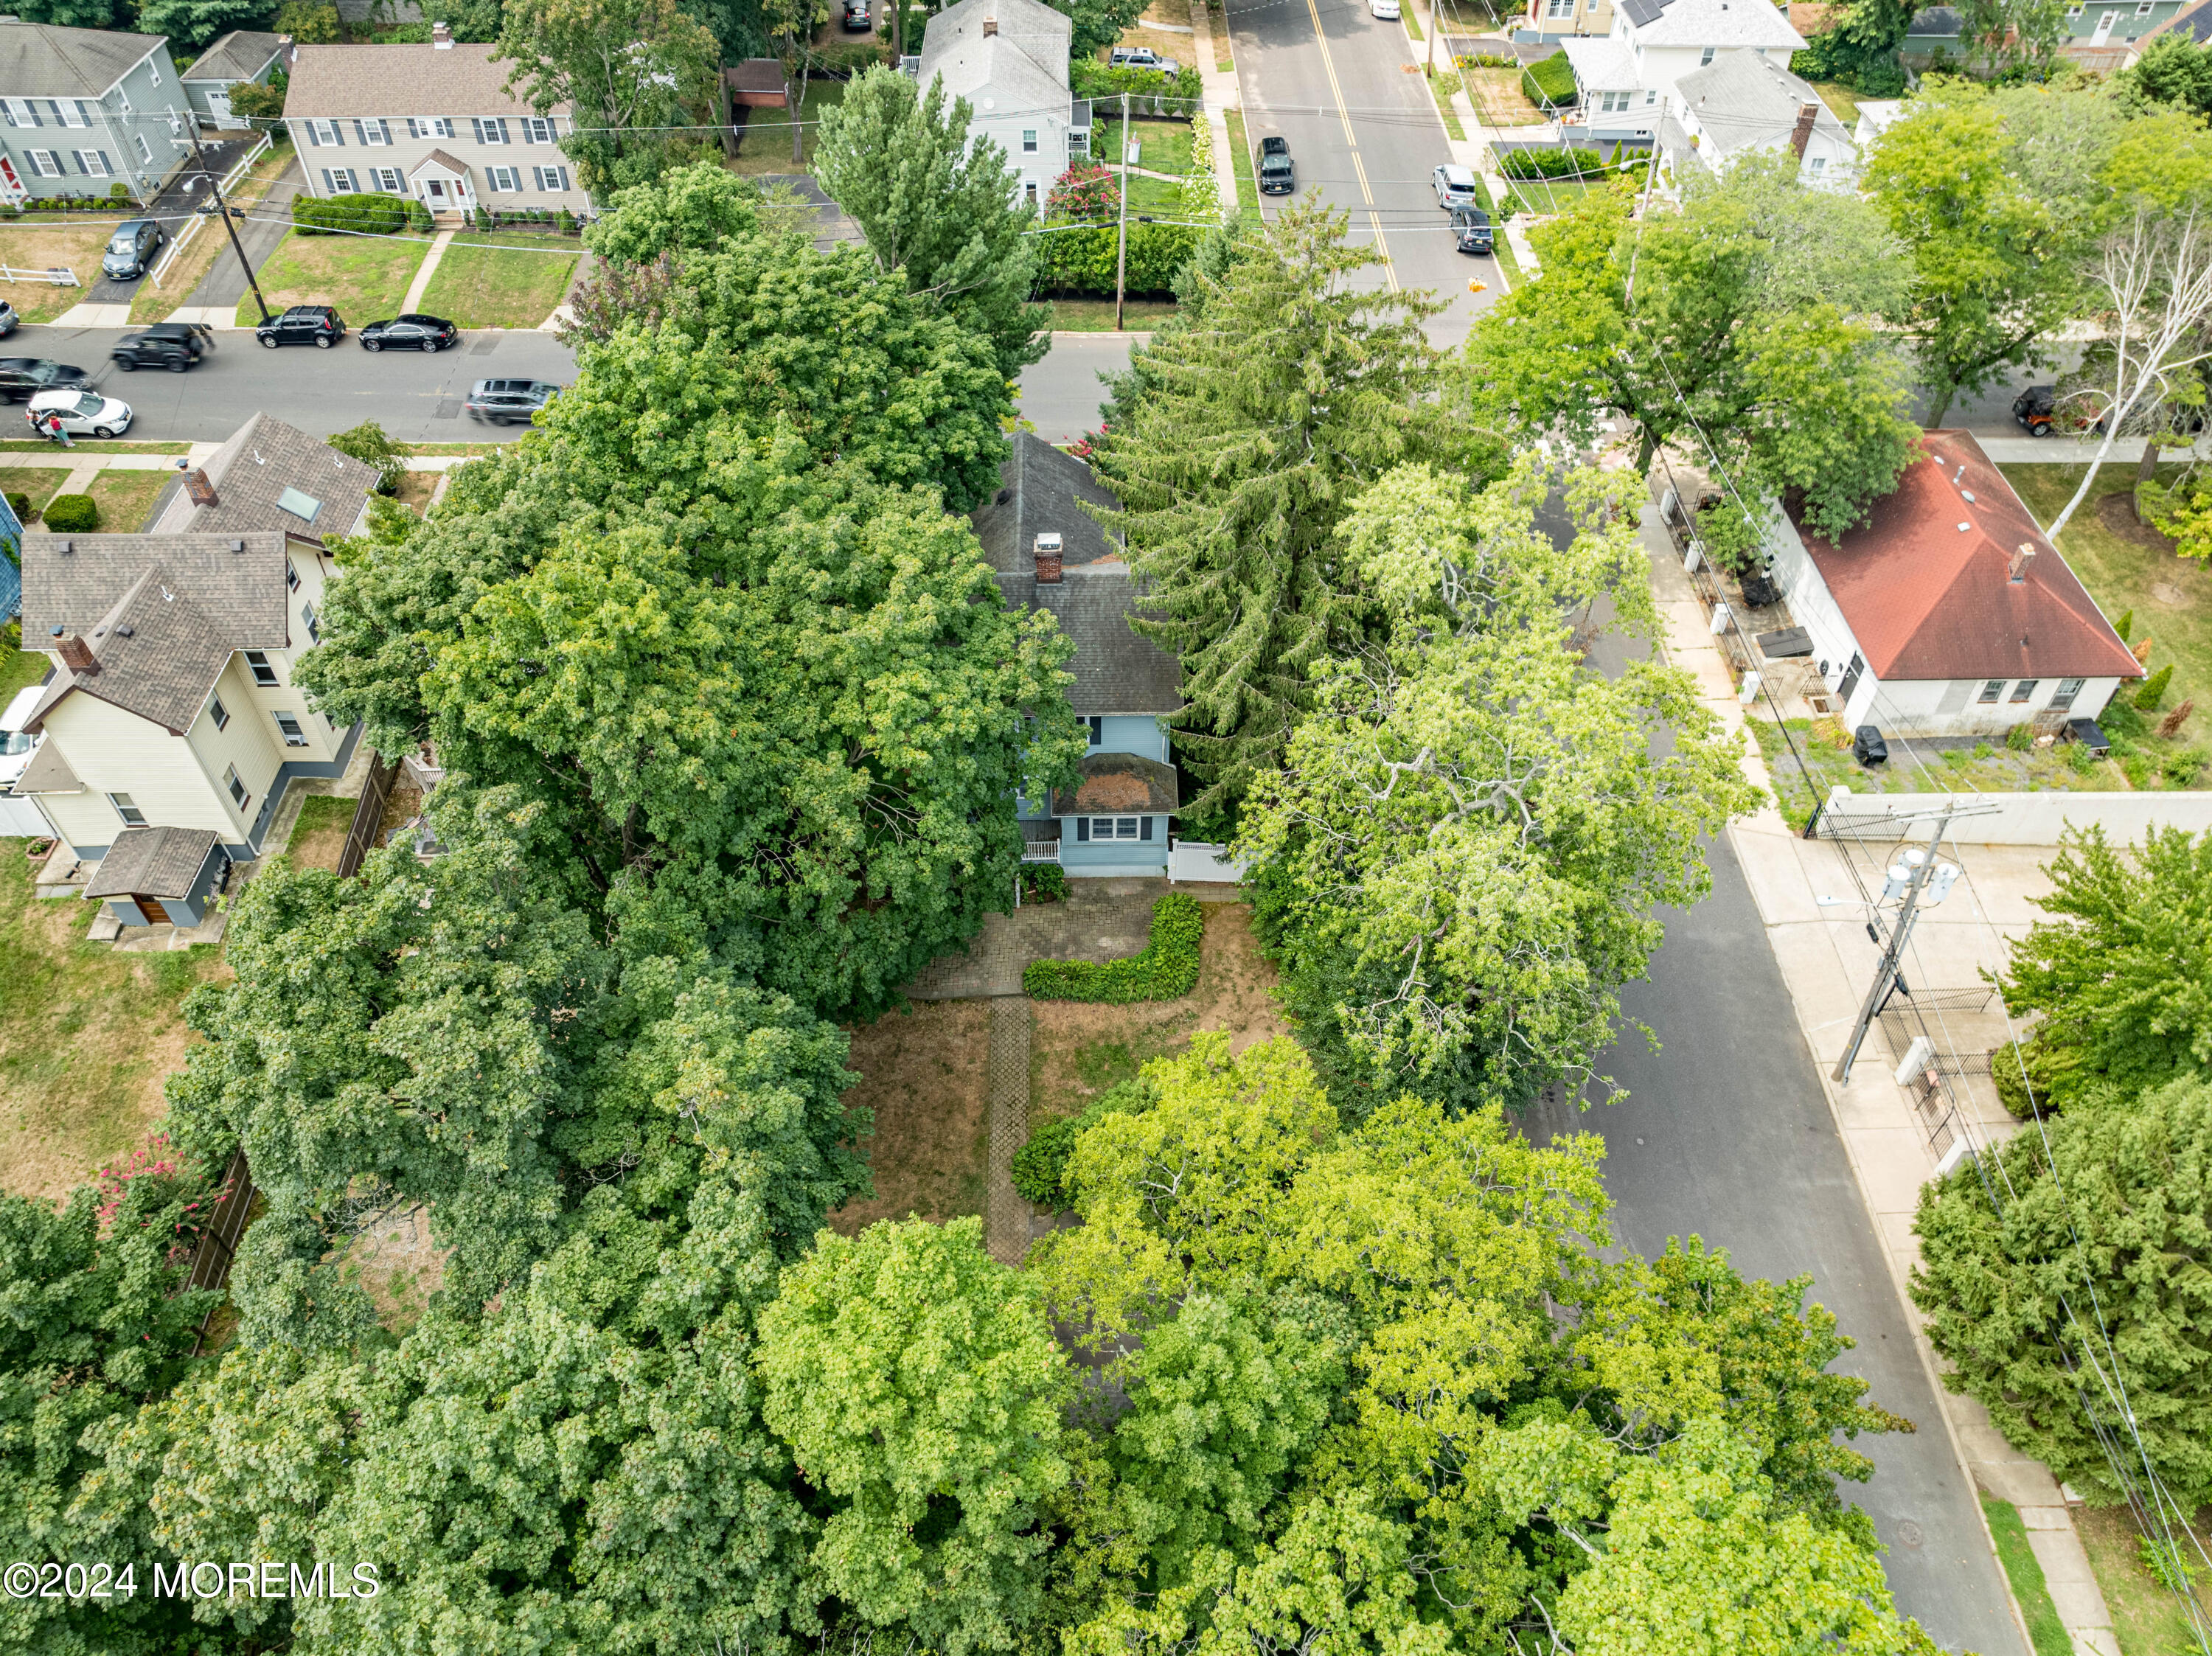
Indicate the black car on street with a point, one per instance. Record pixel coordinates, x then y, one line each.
412 332
1471 231
303 324
175 346
510 402
22 377
1277 175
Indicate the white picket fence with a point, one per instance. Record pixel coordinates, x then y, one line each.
231 180
57 274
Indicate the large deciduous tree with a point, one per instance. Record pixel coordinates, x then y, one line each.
1458 864
638 79
2087 1287
1241 440
1751 322
940 211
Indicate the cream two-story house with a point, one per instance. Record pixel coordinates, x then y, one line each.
435 122
1630 77
169 701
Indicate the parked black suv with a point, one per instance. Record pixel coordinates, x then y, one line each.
1471 231
175 346
510 402
303 324
1277 176
22 377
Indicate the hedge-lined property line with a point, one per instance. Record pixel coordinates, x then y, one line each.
1167 970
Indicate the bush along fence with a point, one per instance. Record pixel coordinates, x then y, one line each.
1081 261
363 215
1552 163
1550 84
1166 970
1152 91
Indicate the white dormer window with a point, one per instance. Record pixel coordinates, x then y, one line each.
1820 165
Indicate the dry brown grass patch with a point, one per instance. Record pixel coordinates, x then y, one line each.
923 1072
39 248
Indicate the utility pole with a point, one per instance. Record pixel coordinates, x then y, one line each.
1121 235
1887 975
223 210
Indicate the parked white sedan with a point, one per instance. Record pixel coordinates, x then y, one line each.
84 413
1386 10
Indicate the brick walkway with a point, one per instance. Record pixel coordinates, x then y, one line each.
1006 1215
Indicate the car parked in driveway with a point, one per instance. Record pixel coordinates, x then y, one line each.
84 413
303 324
131 248
856 15
1456 186
175 346
410 332
1278 175
510 402
1140 57
27 376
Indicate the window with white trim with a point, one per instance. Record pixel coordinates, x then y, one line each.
339 180
1114 827
372 132
1030 191
153 71
1820 165
20 112
123 98
94 164
1992 690
491 130
1706 56
2025 690
388 180
257 663
145 150
1028 141
1097 731
291 576
289 725
218 713
73 111
552 179
537 129
504 180
326 132
1613 103
2143 7
1560 10
238 793
131 815
429 126
2062 699
45 163
307 615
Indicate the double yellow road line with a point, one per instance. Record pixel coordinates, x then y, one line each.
1336 91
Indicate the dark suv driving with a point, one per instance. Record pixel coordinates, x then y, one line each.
22 377
303 324
172 345
510 402
1277 175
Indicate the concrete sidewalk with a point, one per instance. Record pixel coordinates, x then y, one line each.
1826 962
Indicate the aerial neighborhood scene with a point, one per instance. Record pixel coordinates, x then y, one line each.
1106 828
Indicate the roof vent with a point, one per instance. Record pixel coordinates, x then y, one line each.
1047 560
238 546
1963 528
1967 495
2023 556
67 547
126 631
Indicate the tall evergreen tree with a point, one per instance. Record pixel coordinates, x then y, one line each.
1245 441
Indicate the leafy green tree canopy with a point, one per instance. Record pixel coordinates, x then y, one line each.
635 75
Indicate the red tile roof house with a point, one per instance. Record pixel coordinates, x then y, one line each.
1947 613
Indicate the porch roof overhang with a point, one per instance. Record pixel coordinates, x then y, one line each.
1120 783
439 161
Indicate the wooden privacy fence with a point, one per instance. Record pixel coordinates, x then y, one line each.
219 1241
368 813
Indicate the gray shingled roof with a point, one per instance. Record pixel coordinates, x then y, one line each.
1116 671
412 80
187 600
160 862
263 459
956 45
1118 782
44 60
239 56
1743 101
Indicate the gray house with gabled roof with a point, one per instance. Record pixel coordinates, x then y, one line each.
1049 554
1008 58
240 57
85 110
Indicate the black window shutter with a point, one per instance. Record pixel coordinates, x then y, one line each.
1145 827
1082 827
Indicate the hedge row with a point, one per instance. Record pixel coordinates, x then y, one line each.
1167 970
367 214
1082 261
1551 163
1552 80
1089 78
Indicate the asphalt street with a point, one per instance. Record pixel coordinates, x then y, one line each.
1725 1133
416 398
1346 88
1060 395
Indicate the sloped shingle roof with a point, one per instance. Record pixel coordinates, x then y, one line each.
1742 101
249 473
44 60
1925 582
412 80
239 56
160 862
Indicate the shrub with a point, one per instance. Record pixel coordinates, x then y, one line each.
363 215
1551 82
418 215
73 514
20 503
2126 621
367 443
2013 1088
307 23
1044 882
254 101
2079 758
1082 261
1089 78
1087 193
1040 1165
2020 737
1166 970
2154 689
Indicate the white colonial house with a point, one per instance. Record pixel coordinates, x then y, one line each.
169 703
1630 74
1008 58
1947 613
435 122
1742 104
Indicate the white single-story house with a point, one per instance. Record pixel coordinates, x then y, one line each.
1049 554
1631 73
1947 613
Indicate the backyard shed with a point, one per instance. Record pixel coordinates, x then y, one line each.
160 875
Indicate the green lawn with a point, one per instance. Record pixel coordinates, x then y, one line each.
514 281
124 496
1097 315
2044 1630
2145 1615
364 277
1162 146
766 146
18 666
2170 597
1247 187
40 482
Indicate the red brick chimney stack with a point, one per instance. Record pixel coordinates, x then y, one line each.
1047 560
1801 134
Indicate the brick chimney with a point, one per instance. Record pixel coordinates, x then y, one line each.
1047 560
76 655
1801 134
441 37
2021 560
990 26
